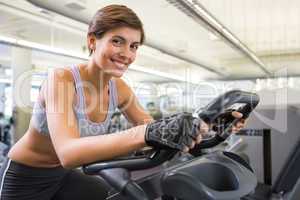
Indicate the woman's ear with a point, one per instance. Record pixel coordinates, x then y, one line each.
91 41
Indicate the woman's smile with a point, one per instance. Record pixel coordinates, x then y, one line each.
120 65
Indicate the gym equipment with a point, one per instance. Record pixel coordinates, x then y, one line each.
295 193
220 175
287 185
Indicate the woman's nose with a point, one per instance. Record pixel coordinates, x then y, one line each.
127 53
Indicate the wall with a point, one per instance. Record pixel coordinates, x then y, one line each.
285 132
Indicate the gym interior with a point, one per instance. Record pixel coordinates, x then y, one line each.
194 51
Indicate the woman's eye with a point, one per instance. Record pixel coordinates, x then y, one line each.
134 47
116 42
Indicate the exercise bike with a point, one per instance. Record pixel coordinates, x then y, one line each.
214 176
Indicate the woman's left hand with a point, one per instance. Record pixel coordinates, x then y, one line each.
240 124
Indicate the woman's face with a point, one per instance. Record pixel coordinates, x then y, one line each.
116 50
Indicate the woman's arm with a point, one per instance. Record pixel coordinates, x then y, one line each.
129 105
72 150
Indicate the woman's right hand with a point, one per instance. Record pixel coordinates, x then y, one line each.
180 131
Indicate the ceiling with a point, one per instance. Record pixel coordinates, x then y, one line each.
176 44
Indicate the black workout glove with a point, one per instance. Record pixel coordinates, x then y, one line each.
175 132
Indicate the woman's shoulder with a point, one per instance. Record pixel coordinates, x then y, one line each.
61 73
122 86
56 78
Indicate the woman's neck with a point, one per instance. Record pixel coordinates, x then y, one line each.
96 76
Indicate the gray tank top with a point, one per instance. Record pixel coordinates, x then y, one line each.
86 127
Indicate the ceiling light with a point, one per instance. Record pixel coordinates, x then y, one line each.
196 11
7 40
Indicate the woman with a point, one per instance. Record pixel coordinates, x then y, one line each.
72 114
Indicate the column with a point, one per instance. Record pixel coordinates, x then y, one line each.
21 63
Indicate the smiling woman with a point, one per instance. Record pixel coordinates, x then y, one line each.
74 104
71 117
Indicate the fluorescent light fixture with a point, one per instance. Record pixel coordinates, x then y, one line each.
9 40
49 49
57 51
40 47
6 80
209 17
196 11
230 36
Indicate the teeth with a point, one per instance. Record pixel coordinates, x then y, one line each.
121 65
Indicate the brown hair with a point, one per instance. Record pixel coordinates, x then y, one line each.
114 16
